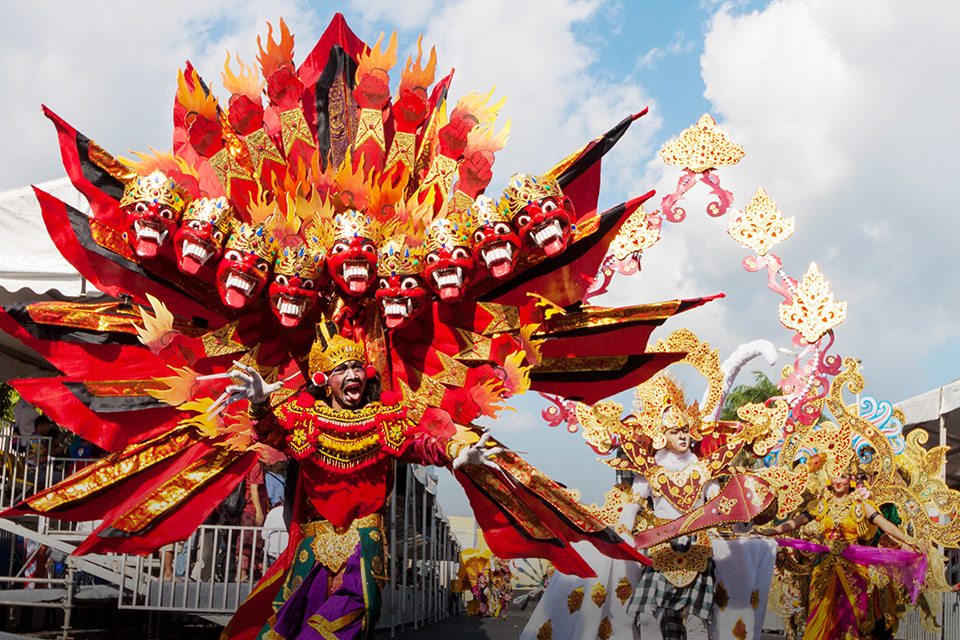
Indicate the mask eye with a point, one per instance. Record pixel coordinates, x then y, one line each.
502 229
409 283
168 213
384 283
233 255
140 207
432 258
339 247
460 254
281 280
218 236
196 225
307 285
548 205
368 247
478 236
523 220
262 265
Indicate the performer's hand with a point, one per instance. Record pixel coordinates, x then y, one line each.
250 385
477 453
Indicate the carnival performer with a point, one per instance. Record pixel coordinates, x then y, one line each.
346 441
840 585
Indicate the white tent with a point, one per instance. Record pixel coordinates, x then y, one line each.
938 413
32 269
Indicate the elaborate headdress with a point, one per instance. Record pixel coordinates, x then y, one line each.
330 349
156 187
454 230
660 406
399 259
486 213
255 239
302 260
217 211
524 189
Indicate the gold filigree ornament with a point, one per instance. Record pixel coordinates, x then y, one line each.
813 311
702 147
700 357
600 424
598 594
575 600
624 590
638 233
760 226
763 425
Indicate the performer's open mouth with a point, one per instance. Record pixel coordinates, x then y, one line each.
290 310
237 288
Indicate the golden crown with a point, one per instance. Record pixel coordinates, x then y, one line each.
255 239
330 349
398 259
300 260
660 406
217 211
156 187
485 212
449 232
524 189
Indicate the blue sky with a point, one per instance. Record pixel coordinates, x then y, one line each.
846 112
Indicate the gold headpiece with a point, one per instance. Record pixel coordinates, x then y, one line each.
523 190
299 260
398 259
216 211
252 239
485 212
835 444
449 232
354 224
156 187
330 349
660 406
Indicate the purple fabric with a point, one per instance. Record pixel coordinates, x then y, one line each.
906 567
310 599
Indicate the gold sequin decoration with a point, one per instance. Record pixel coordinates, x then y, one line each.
624 590
813 311
605 629
702 147
598 594
761 226
545 632
575 600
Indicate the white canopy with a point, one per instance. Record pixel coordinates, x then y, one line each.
32 269
926 411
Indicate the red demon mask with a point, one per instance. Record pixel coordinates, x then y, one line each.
245 266
151 209
402 295
496 246
296 280
543 216
449 264
199 240
352 258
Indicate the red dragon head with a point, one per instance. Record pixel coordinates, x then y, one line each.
245 266
199 240
496 246
540 212
402 295
449 261
151 207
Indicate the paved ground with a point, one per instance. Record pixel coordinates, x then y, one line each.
467 628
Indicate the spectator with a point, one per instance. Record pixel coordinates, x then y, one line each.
254 513
274 481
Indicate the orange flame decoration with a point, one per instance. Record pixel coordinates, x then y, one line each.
482 138
262 207
295 180
475 105
247 83
180 387
530 346
207 425
323 180
487 395
517 380
386 196
376 58
277 53
352 187
157 327
159 161
195 100
414 76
